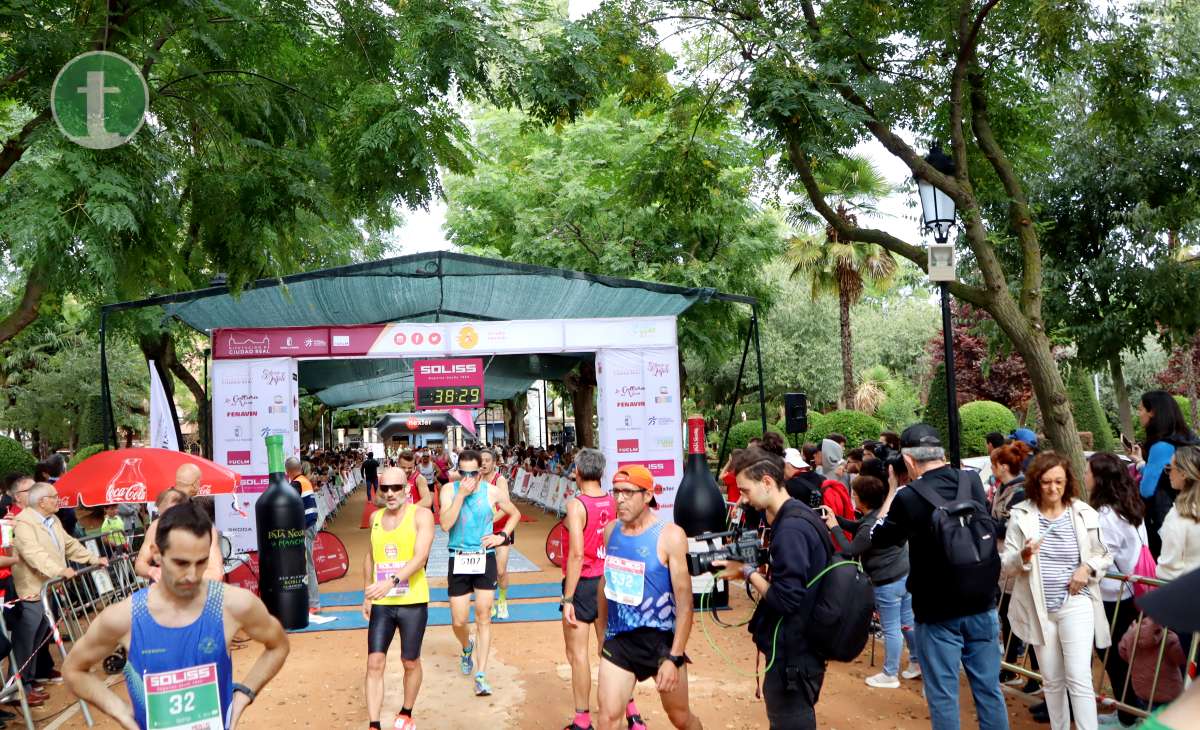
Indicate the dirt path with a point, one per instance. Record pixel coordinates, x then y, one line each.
321 684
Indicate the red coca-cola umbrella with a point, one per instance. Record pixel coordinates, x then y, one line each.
134 476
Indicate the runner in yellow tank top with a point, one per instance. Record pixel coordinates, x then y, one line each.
397 593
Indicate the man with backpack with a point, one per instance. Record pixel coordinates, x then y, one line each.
799 551
955 568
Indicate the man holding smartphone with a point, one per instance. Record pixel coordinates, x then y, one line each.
466 514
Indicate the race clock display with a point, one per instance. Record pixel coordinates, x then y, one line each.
449 397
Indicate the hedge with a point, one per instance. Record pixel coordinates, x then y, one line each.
742 432
91 420
979 418
796 440
1086 409
84 453
936 414
856 426
14 459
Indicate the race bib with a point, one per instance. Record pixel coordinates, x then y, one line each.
385 571
184 699
470 563
624 580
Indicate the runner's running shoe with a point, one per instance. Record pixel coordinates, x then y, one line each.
482 688
466 662
403 722
502 609
636 722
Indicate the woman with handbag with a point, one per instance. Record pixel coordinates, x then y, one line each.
1053 548
1115 497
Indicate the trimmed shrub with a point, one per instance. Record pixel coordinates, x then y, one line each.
14 458
936 413
1086 409
84 453
979 418
854 425
741 433
91 420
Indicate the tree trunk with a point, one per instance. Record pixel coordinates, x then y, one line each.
1124 410
1189 375
26 311
581 384
203 405
847 351
516 426
35 443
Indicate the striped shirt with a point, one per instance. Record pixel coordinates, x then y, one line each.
1058 558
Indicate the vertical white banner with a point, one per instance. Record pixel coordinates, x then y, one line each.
252 399
639 419
162 415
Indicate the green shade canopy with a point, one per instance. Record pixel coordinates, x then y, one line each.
440 286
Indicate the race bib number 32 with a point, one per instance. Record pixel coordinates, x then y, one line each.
185 699
624 580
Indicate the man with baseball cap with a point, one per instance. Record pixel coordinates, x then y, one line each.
954 605
800 481
647 611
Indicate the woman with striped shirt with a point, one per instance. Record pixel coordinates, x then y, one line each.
1054 550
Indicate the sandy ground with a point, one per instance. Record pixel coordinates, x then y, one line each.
321 684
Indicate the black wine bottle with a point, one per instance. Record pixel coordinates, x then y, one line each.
282 563
700 507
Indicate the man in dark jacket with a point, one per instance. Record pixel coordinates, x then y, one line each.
799 550
956 621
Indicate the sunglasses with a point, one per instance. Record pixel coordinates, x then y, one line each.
391 487
469 474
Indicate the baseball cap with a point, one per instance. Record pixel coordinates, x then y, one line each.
640 477
1173 605
1025 435
918 435
793 458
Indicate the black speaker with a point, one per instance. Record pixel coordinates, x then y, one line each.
795 408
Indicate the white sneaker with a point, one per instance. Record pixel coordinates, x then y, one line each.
911 672
1108 719
883 681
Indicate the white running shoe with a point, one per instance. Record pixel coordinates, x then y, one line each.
913 671
883 681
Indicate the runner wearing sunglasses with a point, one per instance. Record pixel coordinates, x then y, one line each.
467 515
397 594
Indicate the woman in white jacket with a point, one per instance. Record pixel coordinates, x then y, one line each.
1054 550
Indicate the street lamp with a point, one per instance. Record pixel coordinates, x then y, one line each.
937 218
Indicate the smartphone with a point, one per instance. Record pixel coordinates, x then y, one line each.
1127 444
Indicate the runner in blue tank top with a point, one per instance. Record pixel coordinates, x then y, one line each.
177 634
647 611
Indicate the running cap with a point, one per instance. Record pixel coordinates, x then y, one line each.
640 477
793 458
1024 435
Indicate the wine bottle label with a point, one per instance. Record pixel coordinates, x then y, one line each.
696 443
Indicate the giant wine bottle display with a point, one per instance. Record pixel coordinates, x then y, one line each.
281 560
700 507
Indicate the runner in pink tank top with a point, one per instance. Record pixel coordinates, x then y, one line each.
598 511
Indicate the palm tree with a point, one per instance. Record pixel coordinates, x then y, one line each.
852 186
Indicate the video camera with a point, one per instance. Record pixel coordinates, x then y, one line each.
741 545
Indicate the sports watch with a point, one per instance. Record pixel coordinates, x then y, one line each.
250 694
678 661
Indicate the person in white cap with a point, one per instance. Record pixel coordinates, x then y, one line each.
800 481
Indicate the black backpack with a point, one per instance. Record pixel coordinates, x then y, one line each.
967 535
842 602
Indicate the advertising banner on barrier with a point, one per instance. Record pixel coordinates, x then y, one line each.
251 400
639 415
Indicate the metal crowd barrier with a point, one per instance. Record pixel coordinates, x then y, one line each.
1117 698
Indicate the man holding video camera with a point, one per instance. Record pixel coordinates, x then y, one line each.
799 550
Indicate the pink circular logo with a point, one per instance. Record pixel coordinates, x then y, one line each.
434 338
399 338
417 338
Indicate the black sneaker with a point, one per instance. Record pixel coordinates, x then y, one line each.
1032 687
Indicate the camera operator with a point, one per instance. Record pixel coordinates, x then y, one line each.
799 550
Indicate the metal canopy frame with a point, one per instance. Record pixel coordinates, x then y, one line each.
433 268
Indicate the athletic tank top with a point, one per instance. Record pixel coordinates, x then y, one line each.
390 550
182 664
474 522
499 519
636 584
598 512
428 471
414 494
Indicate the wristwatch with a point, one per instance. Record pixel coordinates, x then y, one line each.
678 661
567 599
748 571
250 694
395 580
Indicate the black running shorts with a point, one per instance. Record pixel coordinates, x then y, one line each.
461 585
640 651
411 621
587 603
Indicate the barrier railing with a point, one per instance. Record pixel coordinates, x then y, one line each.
1119 699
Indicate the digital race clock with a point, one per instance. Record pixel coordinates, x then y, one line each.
449 397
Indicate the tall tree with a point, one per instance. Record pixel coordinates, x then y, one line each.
852 186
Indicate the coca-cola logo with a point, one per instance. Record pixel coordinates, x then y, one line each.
125 494
658 369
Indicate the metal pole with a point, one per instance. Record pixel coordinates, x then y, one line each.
545 417
485 423
951 387
110 427
206 429
762 397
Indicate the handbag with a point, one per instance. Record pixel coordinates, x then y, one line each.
1144 567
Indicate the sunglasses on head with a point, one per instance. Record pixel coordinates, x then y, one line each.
391 487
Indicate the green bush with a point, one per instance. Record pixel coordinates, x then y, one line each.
741 433
814 426
91 420
1086 409
936 414
84 453
14 459
854 425
979 418
902 407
